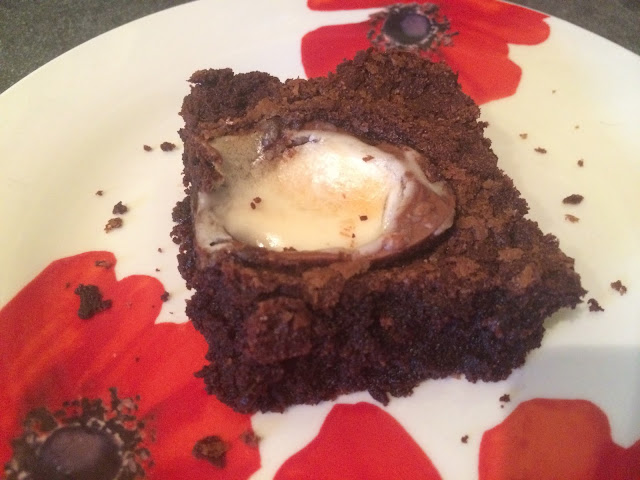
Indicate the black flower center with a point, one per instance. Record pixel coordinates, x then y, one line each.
83 440
78 453
413 27
406 26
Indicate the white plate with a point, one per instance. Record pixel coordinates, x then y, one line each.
78 124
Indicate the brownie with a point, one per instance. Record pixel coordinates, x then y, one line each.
284 329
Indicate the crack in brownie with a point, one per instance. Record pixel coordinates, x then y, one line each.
288 325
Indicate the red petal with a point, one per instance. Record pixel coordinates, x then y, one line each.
507 22
556 439
323 49
358 442
160 361
349 4
189 415
484 74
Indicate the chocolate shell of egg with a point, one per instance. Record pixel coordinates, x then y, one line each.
315 196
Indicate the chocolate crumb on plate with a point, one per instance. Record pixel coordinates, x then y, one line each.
99 193
571 218
213 449
581 163
464 439
363 218
165 296
506 398
91 301
250 439
112 224
540 150
253 205
594 306
524 135
619 287
104 264
120 209
157 269
573 199
257 200
159 250
167 146
147 148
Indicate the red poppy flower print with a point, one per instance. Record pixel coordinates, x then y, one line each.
471 36
357 442
546 439
93 389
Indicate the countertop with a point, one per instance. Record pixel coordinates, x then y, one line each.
32 33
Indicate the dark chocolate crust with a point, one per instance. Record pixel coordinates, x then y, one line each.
473 304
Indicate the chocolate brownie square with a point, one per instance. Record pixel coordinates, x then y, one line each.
447 277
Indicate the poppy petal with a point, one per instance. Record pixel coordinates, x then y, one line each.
359 441
324 48
545 439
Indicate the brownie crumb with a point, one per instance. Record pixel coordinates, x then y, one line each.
250 439
573 199
581 163
167 146
99 193
120 209
147 148
253 206
91 301
506 398
367 158
540 150
524 136
112 224
103 264
571 218
159 250
165 296
363 218
465 439
353 235
619 287
257 200
157 269
213 449
594 306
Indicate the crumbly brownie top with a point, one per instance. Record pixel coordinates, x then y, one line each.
397 98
